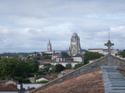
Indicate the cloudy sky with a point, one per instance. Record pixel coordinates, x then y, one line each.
27 25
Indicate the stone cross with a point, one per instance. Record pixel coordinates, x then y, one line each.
109 44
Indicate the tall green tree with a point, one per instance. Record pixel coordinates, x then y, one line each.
7 68
91 56
122 53
12 68
68 66
58 68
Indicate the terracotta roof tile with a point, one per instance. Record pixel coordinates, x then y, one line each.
87 83
8 87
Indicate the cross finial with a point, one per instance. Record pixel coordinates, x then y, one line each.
109 44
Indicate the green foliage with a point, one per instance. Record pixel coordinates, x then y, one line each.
22 80
88 56
64 54
58 68
122 53
91 56
43 81
78 65
45 70
68 66
7 68
12 68
48 69
33 66
46 56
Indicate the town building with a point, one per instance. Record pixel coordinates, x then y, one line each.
72 56
104 75
103 51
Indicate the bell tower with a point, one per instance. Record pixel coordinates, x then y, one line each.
75 47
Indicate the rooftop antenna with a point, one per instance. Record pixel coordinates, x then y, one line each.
109 44
109 35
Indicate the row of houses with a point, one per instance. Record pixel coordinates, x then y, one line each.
62 58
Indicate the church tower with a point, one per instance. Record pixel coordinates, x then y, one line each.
49 46
75 47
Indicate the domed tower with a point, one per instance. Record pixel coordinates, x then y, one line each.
49 47
75 47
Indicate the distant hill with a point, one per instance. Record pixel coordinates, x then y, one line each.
15 54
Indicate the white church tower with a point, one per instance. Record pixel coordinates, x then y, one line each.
49 46
75 47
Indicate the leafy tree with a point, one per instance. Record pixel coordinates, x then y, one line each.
64 54
91 56
45 70
68 66
12 68
33 66
58 68
7 68
78 65
46 56
122 53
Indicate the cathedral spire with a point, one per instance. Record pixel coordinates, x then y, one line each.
49 46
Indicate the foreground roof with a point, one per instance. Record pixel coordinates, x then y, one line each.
104 75
87 83
8 86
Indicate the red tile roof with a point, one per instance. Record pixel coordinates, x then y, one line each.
87 83
8 87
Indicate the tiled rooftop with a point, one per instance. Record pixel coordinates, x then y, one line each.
8 87
91 82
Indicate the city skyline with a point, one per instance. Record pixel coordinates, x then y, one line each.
27 25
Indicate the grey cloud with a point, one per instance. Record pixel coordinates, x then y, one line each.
27 25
